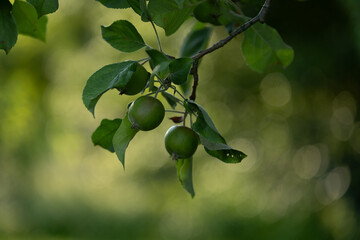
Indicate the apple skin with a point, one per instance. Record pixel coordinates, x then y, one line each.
137 82
181 142
146 113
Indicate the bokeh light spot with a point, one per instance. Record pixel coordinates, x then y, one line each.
307 161
275 90
337 182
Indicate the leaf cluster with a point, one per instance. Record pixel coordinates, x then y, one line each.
24 17
262 46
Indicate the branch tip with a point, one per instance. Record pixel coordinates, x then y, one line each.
260 17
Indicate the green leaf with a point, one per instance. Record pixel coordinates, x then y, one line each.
262 46
168 15
159 63
8 29
140 7
213 142
180 3
44 7
171 99
184 170
135 5
208 12
103 135
156 57
179 70
123 36
163 6
122 137
114 3
229 16
195 41
115 75
27 20
172 21
186 87
151 83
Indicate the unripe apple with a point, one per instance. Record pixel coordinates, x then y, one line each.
181 142
137 82
146 113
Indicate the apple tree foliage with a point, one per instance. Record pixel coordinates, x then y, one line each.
174 77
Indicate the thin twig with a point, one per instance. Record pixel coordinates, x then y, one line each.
142 59
160 80
259 18
175 90
157 92
151 93
174 111
169 56
157 36
145 61
194 72
185 114
264 11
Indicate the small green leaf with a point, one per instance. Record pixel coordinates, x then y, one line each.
115 75
8 29
168 15
122 137
171 99
262 46
163 6
213 142
44 7
180 3
123 36
180 69
171 21
27 20
156 57
208 12
115 3
151 83
195 41
159 63
103 135
161 70
227 155
140 7
135 5
184 170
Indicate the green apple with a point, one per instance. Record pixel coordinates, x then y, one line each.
146 113
181 142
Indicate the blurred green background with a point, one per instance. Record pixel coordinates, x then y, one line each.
300 128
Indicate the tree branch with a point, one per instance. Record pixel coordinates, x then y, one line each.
263 11
260 17
194 72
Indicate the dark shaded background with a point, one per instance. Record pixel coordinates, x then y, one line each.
300 128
